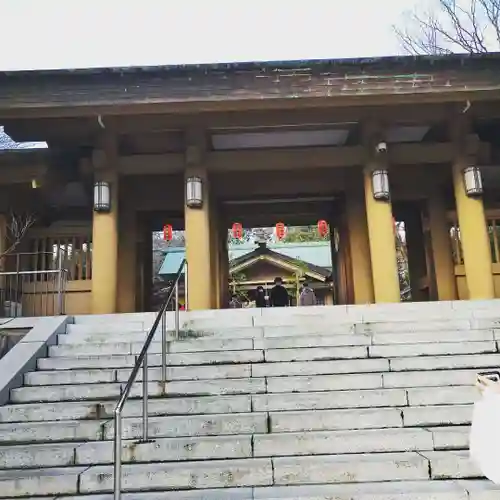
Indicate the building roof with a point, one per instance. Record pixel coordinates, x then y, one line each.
58 91
7 144
316 254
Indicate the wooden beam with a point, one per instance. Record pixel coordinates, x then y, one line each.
290 158
83 128
22 174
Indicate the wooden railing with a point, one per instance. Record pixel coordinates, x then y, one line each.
493 221
76 254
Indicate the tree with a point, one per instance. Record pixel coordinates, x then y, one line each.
451 26
16 230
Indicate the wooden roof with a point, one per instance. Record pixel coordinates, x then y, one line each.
201 87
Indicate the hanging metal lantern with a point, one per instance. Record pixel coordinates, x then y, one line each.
237 231
102 197
473 181
280 230
323 228
167 232
194 192
380 185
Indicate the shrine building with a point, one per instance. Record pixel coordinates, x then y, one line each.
358 143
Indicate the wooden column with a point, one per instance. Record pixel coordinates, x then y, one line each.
105 251
359 243
471 220
382 244
444 268
201 288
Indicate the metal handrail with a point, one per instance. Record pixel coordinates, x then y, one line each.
143 360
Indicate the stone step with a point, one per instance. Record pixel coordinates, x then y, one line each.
319 367
91 410
432 349
41 432
192 475
101 452
433 336
442 395
279 384
409 466
114 326
122 361
191 345
329 399
51 481
54 393
195 425
398 490
309 470
451 465
205 494
321 420
68 377
342 442
414 416
375 380
97 430
446 362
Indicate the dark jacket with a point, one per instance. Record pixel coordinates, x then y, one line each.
279 296
260 299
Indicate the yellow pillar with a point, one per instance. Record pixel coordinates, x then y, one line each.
382 245
198 251
444 268
415 248
3 240
474 237
105 251
223 266
127 261
214 254
359 246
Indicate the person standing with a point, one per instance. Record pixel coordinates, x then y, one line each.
307 296
260 297
279 296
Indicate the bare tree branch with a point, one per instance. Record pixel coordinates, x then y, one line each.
16 231
471 26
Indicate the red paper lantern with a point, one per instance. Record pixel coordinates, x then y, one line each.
167 232
322 228
280 230
237 231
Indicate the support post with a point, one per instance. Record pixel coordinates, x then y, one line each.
105 251
197 228
471 219
382 244
444 268
359 243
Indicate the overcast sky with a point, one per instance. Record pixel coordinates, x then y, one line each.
38 34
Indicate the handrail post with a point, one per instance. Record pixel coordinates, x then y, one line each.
118 455
164 347
177 310
142 359
186 286
59 283
145 398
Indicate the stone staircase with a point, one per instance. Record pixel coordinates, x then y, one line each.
344 403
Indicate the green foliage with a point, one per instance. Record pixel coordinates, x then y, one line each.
301 234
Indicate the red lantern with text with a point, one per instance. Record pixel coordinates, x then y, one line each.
322 228
280 230
237 231
167 232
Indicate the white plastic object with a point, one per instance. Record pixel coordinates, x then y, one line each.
485 432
